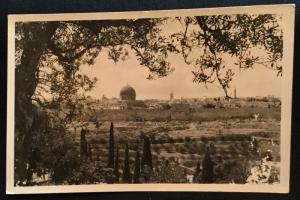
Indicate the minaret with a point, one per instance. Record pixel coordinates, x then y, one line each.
234 93
171 96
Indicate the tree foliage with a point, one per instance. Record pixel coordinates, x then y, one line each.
216 45
52 151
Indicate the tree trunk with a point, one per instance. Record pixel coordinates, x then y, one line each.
25 85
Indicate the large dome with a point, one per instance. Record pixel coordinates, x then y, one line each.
127 93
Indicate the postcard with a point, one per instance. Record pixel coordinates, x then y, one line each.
170 100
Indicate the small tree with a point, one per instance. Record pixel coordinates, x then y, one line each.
207 168
111 147
116 168
126 169
137 168
147 155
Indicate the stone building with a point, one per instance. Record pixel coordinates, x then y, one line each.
128 99
128 93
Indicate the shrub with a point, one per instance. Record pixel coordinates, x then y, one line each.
168 173
180 140
204 139
201 148
212 138
222 138
170 140
232 149
192 148
122 141
156 148
182 149
87 173
237 171
172 158
102 141
160 141
193 157
189 163
209 105
187 139
170 149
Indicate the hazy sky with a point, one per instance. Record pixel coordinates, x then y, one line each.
113 76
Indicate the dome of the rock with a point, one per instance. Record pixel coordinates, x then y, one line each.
127 93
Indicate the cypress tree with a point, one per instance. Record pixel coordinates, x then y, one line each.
147 155
126 170
83 144
111 147
89 152
116 168
137 168
207 169
197 172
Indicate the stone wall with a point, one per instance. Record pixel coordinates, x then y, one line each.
203 114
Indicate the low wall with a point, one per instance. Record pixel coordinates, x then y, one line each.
203 114
227 113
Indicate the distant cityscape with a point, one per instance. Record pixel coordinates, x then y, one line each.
127 101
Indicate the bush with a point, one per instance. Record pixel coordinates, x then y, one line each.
170 148
204 139
156 148
201 148
168 173
87 173
192 148
160 141
222 138
187 139
172 158
232 149
237 171
212 138
189 163
180 140
182 149
171 140
209 105
193 157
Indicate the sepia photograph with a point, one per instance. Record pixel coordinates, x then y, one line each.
170 100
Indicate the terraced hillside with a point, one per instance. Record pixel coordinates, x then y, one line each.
184 143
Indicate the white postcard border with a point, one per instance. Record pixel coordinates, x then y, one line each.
288 13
